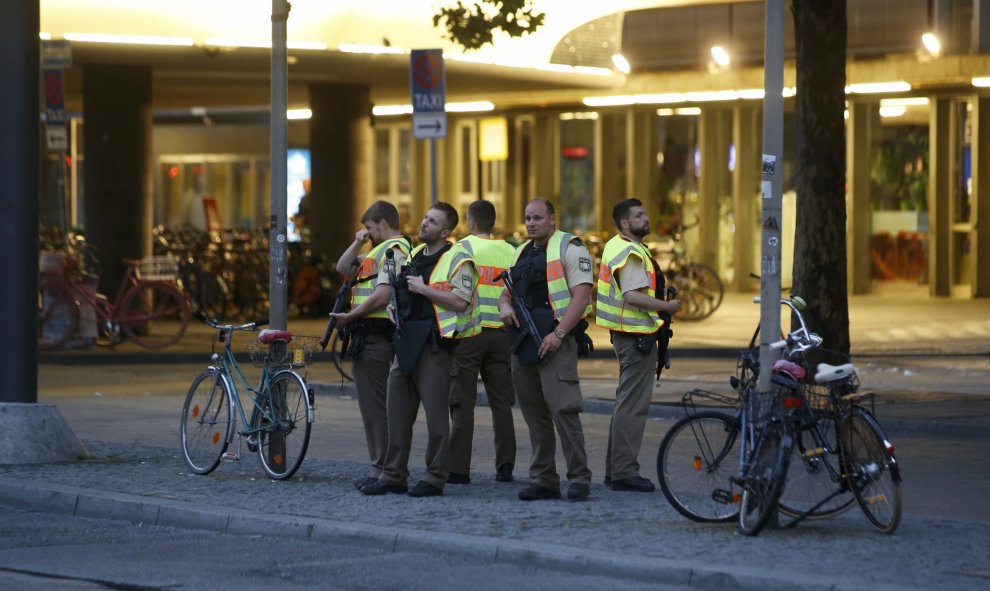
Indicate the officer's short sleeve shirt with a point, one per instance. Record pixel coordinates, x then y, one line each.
463 282
578 265
632 276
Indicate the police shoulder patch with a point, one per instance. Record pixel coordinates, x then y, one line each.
584 264
466 280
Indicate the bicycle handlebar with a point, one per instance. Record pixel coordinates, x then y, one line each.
230 327
799 340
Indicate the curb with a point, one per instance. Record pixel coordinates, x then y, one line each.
82 502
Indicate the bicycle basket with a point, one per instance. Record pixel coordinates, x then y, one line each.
159 268
298 353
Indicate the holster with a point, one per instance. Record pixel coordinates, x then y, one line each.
585 346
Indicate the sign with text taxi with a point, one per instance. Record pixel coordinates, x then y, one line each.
427 83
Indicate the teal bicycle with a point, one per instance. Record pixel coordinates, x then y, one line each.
281 409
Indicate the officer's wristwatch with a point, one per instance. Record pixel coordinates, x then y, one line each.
560 334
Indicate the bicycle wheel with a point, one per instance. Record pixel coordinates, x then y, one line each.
284 420
58 317
764 478
813 475
697 458
343 365
702 291
872 469
207 421
153 315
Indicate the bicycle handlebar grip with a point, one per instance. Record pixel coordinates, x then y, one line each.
778 345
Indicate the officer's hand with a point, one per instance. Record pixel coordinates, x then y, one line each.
673 306
362 235
507 315
390 310
342 318
416 284
551 343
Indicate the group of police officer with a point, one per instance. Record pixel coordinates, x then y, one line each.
425 321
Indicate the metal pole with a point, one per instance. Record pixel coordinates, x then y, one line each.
19 200
279 145
771 186
433 171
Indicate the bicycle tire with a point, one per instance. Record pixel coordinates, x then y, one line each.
700 291
154 315
695 463
58 319
764 478
813 475
344 366
207 421
872 469
284 421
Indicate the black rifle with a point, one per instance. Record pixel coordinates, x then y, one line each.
393 286
528 326
663 338
338 304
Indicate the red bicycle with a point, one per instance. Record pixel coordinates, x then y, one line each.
149 309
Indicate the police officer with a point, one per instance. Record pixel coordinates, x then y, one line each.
367 324
487 353
435 311
552 278
629 302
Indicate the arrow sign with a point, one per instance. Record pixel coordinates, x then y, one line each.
429 125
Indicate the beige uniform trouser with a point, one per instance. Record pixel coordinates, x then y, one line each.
549 396
632 405
429 384
371 380
487 353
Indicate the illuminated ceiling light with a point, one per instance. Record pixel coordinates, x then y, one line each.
688 111
982 82
608 101
45 36
621 63
374 49
932 44
665 112
314 45
897 111
469 107
788 91
298 114
262 44
751 93
583 115
592 71
720 56
129 39
556 68
878 87
715 95
911 101
659 99
390 110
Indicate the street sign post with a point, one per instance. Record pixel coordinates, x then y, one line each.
427 82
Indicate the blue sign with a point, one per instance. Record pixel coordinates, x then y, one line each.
427 82
54 96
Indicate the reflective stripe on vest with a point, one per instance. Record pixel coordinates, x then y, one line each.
491 257
367 277
559 292
450 323
610 310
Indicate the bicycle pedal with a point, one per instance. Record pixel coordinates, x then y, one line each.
229 456
814 453
725 497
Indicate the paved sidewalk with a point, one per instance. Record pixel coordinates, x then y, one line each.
930 382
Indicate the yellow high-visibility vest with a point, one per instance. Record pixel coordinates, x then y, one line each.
611 311
491 257
367 276
559 292
450 323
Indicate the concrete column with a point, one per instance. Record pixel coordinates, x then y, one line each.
340 142
939 195
640 157
546 157
19 200
746 129
979 270
858 226
714 132
117 212
609 167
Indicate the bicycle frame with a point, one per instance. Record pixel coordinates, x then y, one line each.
229 367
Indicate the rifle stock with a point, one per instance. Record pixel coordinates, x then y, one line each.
338 304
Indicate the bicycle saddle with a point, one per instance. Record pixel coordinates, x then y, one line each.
830 373
790 368
268 335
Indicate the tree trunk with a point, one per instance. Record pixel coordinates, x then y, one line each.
820 237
